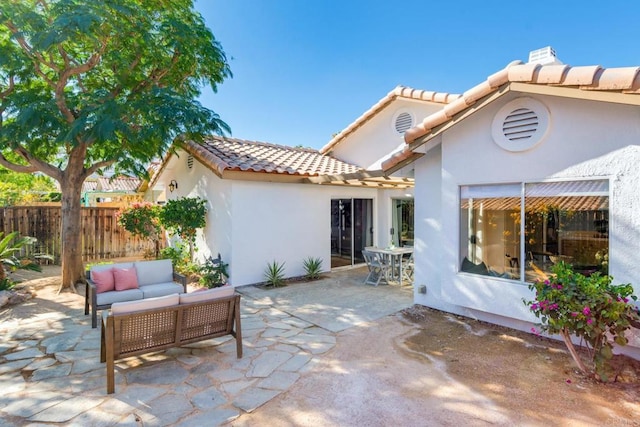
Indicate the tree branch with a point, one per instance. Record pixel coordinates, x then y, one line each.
6 93
103 164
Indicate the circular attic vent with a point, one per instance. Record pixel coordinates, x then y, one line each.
520 124
403 122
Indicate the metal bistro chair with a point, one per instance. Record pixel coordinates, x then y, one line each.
378 268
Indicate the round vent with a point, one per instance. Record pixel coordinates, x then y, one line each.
403 122
190 161
520 124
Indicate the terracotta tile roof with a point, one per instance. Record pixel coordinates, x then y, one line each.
120 183
230 154
89 186
589 78
398 92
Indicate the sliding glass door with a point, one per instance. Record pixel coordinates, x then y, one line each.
351 230
402 222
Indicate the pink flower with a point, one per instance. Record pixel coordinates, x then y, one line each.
535 331
589 321
558 286
574 314
568 381
534 306
546 282
586 311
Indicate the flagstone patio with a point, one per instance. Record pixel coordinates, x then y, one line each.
50 370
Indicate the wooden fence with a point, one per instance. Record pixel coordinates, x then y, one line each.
102 237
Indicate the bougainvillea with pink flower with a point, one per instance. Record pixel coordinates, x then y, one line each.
591 308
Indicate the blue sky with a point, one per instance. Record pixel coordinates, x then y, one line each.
305 69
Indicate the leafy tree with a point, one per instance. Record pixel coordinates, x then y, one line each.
183 217
86 84
21 188
141 219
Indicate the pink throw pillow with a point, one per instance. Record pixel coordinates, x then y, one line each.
125 278
103 280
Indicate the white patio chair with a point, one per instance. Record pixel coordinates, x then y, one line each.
408 268
378 268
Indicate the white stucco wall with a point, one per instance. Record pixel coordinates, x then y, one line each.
283 222
586 139
376 138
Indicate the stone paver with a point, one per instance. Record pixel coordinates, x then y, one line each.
50 370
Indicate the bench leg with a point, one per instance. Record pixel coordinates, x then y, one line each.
86 298
94 317
238 330
108 338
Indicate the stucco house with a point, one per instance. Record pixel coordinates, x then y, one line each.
538 163
269 203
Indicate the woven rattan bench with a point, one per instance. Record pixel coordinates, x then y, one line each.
131 334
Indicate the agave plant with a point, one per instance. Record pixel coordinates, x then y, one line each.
312 268
274 274
9 245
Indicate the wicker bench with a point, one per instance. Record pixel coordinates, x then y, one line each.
155 278
134 333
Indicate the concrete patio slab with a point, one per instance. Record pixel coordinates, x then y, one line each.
335 303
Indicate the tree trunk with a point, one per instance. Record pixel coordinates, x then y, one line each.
567 341
72 266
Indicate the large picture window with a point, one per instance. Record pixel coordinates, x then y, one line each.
560 221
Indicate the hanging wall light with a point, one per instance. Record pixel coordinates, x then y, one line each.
173 185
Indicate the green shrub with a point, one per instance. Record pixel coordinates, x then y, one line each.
6 284
589 307
214 273
274 274
312 268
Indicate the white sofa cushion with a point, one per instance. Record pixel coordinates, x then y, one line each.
118 296
210 294
161 289
145 304
152 272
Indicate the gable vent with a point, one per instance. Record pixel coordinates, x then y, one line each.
190 161
520 124
404 122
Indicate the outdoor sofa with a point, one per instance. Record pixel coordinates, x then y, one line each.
129 281
154 324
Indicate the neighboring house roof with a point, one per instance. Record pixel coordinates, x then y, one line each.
120 184
589 82
89 186
398 92
125 184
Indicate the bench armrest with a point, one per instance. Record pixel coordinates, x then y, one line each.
180 278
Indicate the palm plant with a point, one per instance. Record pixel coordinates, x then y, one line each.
9 245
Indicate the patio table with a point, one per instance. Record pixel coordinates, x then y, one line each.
395 256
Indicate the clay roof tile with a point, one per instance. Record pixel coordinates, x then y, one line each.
581 76
552 74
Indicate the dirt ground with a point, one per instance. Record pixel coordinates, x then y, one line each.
423 367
